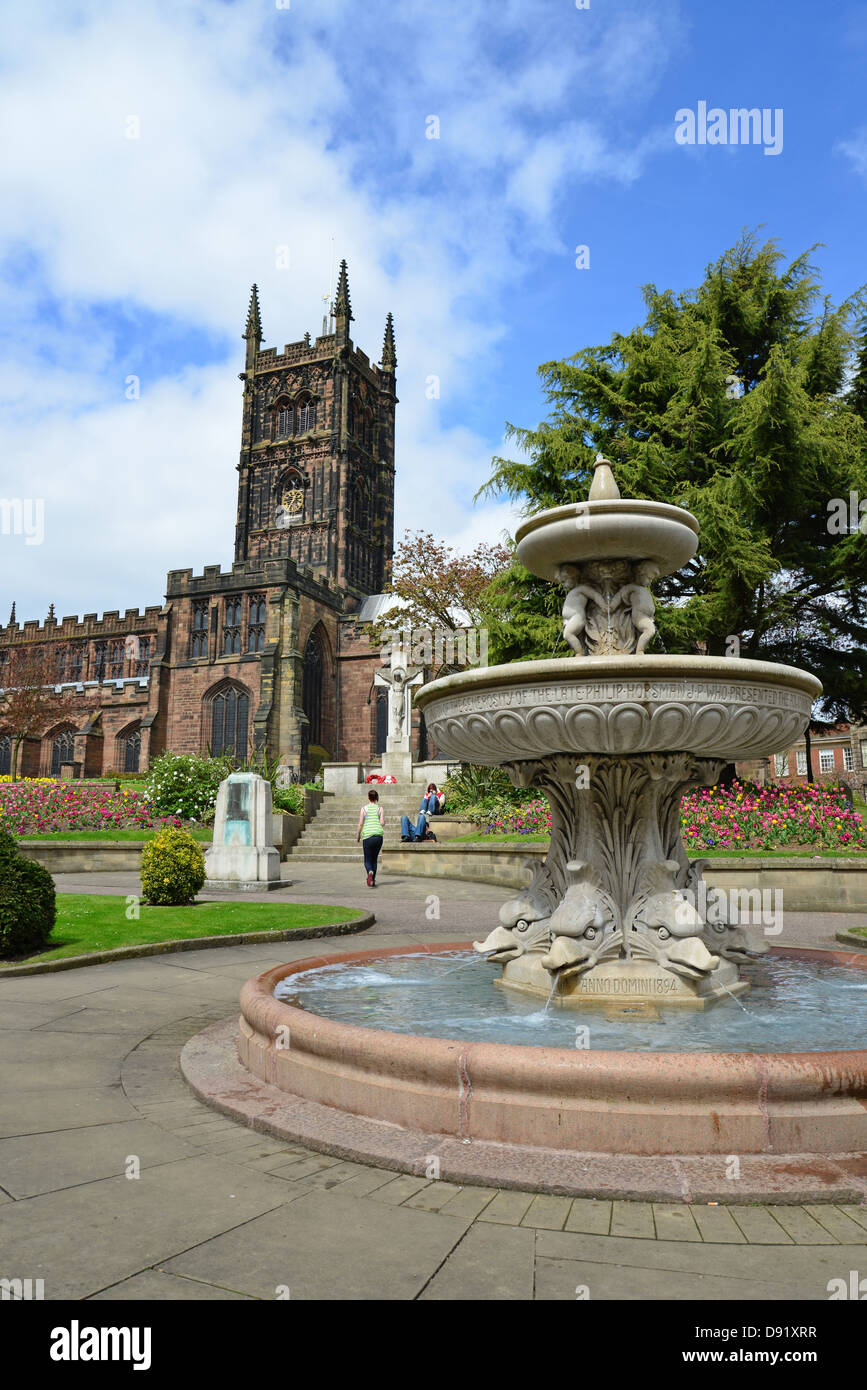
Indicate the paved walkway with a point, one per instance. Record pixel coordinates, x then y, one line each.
92 1090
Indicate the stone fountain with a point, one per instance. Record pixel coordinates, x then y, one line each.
617 915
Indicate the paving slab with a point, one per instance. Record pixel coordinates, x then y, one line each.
36 1061
717 1225
48 1111
399 1189
490 1263
29 1165
802 1227
841 1226
434 1196
547 1213
759 1226
632 1219
26 1015
674 1223
155 1286
369 1181
85 1238
794 1266
469 1201
330 1246
570 1280
507 1208
590 1215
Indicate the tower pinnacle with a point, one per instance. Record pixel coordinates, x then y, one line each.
342 305
389 356
253 329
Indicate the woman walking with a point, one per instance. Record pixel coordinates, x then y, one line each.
371 824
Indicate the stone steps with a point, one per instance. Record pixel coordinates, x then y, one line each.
330 835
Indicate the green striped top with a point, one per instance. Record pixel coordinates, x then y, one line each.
370 824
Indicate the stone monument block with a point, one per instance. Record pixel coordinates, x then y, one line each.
242 855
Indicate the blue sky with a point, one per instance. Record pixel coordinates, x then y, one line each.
261 128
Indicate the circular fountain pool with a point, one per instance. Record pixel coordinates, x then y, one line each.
348 1052
793 1005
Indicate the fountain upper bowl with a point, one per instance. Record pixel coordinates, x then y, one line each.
712 706
612 529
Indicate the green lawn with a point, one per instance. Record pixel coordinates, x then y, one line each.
198 832
87 922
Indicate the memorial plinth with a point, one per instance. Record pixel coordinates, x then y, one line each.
242 857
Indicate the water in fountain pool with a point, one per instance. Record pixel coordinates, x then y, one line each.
793 1006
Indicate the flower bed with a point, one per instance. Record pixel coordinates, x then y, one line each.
778 817
38 807
732 818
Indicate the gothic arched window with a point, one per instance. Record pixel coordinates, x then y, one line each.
131 748
199 631
256 625
285 419
230 716
306 414
314 663
115 661
62 750
232 627
5 755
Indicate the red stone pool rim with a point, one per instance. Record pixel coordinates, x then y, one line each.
551 1108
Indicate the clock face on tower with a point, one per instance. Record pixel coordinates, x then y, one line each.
293 500
291 505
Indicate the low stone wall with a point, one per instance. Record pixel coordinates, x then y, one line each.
807 885
79 857
124 856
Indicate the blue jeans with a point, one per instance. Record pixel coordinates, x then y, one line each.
371 845
431 804
410 831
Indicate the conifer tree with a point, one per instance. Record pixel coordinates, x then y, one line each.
744 401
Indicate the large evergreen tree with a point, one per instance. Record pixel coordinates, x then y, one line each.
744 401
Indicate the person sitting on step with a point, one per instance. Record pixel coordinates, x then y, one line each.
432 804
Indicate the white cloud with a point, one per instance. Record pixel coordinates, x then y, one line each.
855 150
262 128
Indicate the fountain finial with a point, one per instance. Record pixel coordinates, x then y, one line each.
604 486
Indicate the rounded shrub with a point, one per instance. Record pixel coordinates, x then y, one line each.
172 868
27 906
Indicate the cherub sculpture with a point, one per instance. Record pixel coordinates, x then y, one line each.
639 600
575 605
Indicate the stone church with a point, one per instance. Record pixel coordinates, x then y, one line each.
271 653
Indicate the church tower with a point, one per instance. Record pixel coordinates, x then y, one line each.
316 472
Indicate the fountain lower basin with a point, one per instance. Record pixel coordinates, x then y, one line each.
608 1102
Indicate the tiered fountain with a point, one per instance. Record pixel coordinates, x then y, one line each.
616 916
614 738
